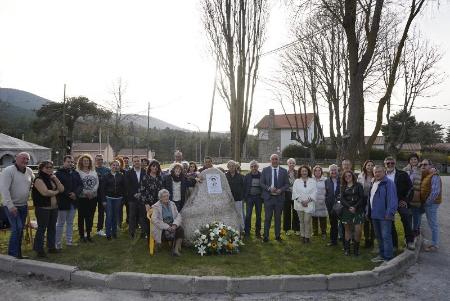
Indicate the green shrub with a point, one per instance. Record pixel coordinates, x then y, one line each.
298 151
377 154
435 157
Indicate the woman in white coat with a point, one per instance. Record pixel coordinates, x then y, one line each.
304 195
166 222
320 214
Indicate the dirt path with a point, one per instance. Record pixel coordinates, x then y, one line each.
429 279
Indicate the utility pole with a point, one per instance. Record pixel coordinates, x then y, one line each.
132 142
212 110
148 128
65 150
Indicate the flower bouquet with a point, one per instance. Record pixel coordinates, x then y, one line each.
217 238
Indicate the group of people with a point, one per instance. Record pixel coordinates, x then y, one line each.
304 198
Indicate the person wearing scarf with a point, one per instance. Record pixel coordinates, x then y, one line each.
177 183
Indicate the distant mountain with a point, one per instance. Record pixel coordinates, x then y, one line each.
141 120
16 104
22 99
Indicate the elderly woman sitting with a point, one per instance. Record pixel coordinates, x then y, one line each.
166 222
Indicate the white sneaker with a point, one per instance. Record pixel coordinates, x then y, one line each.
411 246
377 259
101 233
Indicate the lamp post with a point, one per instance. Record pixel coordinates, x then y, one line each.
200 139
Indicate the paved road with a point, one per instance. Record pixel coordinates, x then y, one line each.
429 279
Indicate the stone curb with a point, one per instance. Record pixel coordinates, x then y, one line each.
215 284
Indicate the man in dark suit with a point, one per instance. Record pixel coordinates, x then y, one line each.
332 186
403 186
133 180
274 182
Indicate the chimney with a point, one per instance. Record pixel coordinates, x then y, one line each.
271 118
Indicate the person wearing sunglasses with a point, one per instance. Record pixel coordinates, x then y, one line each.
352 199
45 189
403 186
431 196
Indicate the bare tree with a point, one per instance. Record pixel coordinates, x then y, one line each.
117 105
300 83
236 32
361 46
417 74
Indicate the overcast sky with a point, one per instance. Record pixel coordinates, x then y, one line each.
159 49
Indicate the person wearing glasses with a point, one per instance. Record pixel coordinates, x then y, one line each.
403 185
431 196
45 189
67 201
304 193
352 200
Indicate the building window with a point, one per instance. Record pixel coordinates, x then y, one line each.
263 135
293 135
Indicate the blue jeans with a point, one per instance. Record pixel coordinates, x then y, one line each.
416 218
383 232
253 200
112 215
432 218
17 224
65 217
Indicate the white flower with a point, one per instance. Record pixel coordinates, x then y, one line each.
229 228
207 226
197 231
203 236
202 250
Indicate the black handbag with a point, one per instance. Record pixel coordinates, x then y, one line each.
337 208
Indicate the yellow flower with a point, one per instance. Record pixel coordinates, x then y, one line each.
213 245
223 232
230 246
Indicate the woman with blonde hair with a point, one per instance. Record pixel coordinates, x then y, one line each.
88 198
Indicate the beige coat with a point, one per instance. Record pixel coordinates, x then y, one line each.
158 225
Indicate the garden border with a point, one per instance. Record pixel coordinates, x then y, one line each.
214 284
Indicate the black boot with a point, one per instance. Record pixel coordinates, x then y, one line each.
347 247
356 248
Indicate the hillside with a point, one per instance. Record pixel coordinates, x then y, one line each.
17 104
22 99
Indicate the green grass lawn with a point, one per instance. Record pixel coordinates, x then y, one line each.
256 258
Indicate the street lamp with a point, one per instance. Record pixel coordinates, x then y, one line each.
200 138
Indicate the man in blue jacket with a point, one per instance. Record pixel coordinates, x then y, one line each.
67 201
383 203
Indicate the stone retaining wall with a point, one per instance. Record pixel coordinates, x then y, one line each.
215 284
